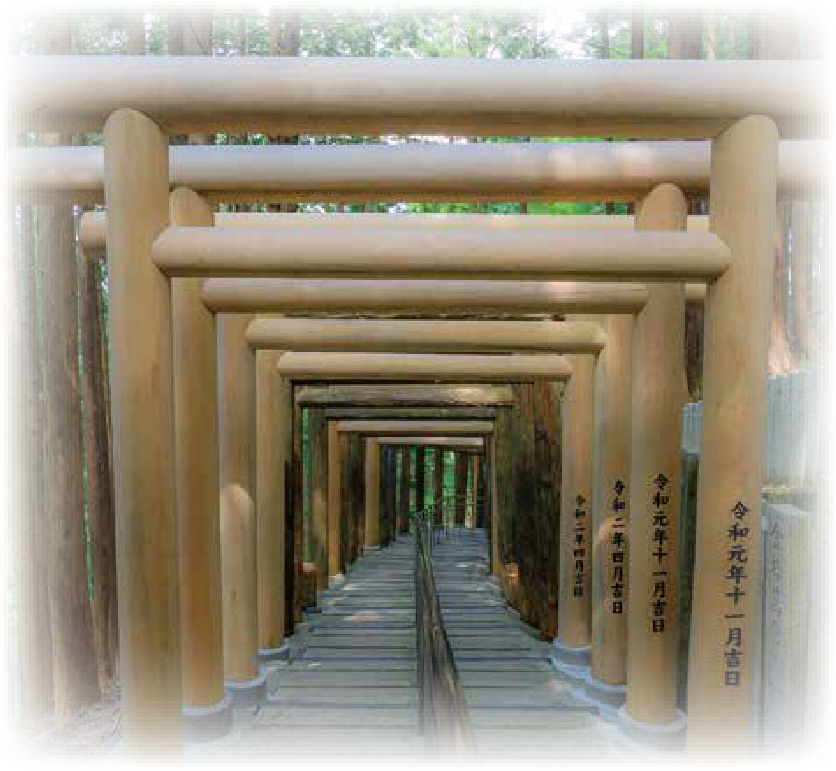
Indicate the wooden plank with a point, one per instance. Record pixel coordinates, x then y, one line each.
406 395
410 413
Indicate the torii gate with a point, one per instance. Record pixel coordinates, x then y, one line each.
721 100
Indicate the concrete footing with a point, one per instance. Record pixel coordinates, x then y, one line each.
282 653
575 674
662 736
567 654
606 697
203 724
249 693
336 581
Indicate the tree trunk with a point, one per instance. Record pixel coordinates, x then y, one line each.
774 36
685 33
197 41
35 633
135 33
637 34
524 526
284 29
780 356
548 464
801 261
420 478
97 466
75 676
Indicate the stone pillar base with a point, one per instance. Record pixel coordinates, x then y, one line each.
249 693
663 736
571 662
203 724
336 581
370 549
282 653
576 656
607 698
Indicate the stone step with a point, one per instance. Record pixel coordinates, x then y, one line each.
399 696
276 715
346 679
351 664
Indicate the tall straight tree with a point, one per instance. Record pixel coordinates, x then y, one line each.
75 675
285 39
96 437
35 633
774 36
685 33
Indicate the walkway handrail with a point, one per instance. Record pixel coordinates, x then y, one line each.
444 719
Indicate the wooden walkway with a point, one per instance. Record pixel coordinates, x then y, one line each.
350 687
518 704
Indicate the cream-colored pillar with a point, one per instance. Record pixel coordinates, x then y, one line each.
335 467
372 534
270 509
240 604
142 409
726 595
207 710
236 402
237 440
574 605
657 376
610 514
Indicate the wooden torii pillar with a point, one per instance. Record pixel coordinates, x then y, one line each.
657 391
237 433
207 709
372 532
726 595
404 492
142 408
460 487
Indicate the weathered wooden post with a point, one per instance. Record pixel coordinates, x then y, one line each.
391 494
726 593
496 551
657 395
318 434
574 606
474 477
270 508
207 709
383 496
460 466
607 677
403 495
236 432
244 680
354 491
372 525
438 487
335 468
142 408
